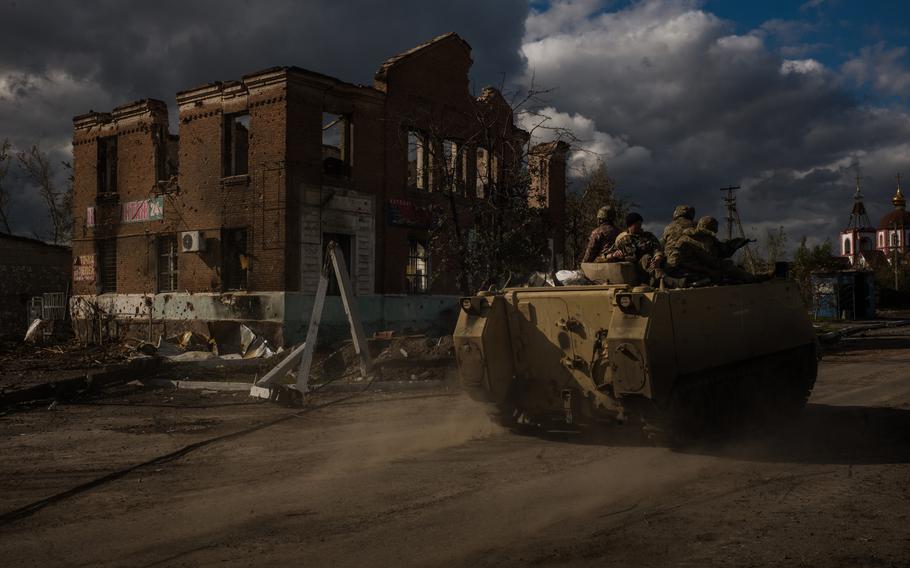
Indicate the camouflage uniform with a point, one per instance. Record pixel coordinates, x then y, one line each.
642 249
636 245
602 238
682 221
695 254
700 254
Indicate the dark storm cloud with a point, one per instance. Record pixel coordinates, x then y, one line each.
60 59
676 101
702 107
138 48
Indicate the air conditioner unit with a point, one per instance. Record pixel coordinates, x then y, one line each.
192 241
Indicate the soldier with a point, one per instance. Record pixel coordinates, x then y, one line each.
698 254
603 237
638 246
683 219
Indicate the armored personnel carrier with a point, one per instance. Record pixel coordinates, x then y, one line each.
688 361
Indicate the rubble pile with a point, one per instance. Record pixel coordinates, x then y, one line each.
25 364
405 358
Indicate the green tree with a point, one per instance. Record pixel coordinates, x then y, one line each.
775 250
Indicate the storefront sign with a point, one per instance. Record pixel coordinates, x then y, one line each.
151 209
406 213
84 268
144 210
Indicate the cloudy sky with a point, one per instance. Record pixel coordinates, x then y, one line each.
679 97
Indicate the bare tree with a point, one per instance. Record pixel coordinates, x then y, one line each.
597 189
40 171
5 197
473 167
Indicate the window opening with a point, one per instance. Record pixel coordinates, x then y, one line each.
418 270
453 162
236 144
336 144
167 263
107 265
107 164
483 172
417 160
236 259
165 154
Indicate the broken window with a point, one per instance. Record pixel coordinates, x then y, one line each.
107 265
336 144
418 271
165 154
344 244
167 263
235 259
107 164
484 172
236 145
418 159
453 164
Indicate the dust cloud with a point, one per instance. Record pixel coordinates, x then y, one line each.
408 430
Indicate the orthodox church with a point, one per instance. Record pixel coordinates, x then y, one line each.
867 246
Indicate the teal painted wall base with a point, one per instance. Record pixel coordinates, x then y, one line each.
282 316
433 315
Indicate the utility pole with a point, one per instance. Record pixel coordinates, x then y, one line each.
733 219
730 204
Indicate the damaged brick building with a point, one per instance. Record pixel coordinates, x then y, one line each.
229 221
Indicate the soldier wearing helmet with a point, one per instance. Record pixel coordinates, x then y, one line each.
602 237
699 255
638 246
683 217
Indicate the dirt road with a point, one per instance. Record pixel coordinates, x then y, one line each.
426 479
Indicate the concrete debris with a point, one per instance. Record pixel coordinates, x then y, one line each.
34 331
193 346
192 341
254 346
189 356
573 278
401 359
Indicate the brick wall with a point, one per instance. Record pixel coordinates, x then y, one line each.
137 129
547 166
288 200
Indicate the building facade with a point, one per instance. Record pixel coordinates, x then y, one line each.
867 246
230 220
